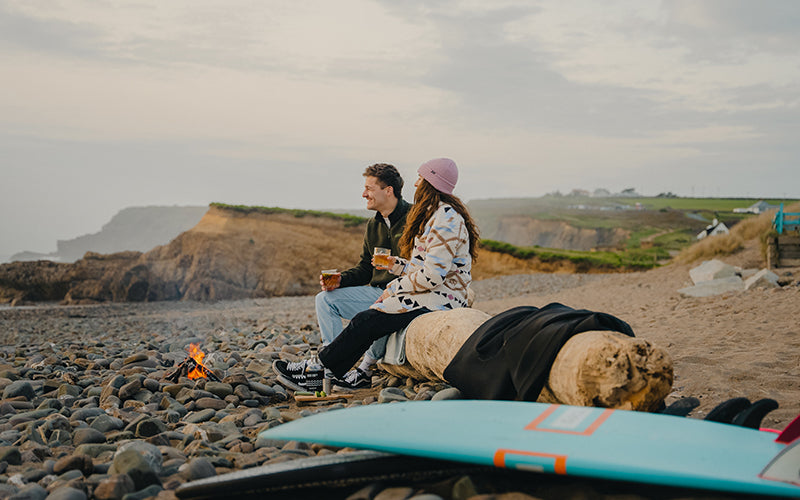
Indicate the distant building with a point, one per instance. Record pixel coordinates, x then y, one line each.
716 227
580 192
756 208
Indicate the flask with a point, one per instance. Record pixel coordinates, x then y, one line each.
314 373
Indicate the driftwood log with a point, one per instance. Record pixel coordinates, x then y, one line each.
597 368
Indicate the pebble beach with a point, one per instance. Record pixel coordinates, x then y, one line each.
88 410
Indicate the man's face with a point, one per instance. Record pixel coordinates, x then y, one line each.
378 198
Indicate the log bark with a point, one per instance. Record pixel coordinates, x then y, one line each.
597 368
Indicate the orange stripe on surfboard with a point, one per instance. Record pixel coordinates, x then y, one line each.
559 465
534 425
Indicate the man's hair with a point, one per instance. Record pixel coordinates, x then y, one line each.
387 175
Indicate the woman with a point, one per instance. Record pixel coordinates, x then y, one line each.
437 248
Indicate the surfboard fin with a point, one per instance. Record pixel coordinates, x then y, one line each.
727 410
681 407
752 416
741 412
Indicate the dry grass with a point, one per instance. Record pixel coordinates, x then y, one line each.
746 230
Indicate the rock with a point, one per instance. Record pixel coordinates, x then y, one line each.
197 468
149 427
107 423
711 270
395 493
149 452
219 389
66 493
133 464
31 491
611 370
78 462
714 287
10 455
391 394
762 279
129 390
450 393
151 491
19 388
211 403
114 487
86 435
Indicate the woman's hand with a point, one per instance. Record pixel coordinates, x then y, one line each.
385 295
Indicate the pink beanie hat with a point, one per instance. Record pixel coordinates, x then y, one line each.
442 173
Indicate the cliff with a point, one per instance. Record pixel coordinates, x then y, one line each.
229 254
131 229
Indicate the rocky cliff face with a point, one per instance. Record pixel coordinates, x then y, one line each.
527 232
227 255
132 229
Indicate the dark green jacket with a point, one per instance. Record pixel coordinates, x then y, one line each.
378 235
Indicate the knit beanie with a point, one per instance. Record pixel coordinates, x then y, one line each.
442 173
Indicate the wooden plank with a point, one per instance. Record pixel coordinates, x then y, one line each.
788 240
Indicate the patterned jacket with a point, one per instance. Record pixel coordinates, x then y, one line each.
439 272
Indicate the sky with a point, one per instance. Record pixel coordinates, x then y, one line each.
109 104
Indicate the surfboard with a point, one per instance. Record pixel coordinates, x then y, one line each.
566 440
319 476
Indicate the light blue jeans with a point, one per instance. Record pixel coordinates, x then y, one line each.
344 303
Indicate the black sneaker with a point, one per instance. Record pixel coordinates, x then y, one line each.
291 374
354 379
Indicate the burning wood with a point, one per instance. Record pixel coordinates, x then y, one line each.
192 367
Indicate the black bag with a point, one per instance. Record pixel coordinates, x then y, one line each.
509 356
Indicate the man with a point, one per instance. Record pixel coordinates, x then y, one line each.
359 287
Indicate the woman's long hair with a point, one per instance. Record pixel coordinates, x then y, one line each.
426 202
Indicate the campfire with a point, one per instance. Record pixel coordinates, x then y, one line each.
192 367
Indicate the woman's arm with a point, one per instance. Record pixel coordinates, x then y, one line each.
446 235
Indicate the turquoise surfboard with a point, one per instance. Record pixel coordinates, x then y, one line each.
567 440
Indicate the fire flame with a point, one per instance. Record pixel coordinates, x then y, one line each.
197 355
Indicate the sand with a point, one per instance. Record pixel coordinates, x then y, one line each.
743 344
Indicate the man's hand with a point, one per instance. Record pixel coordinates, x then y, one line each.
329 282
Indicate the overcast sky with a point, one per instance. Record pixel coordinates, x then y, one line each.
109 104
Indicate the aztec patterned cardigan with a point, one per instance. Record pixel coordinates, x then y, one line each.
439 272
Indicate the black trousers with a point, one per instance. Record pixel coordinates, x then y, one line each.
366 327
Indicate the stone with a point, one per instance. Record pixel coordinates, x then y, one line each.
31 491
133 464
66 493
611 370
219 389
391 394
129 390
19 388
200 416
151 453
711 270
114 487
210 403
762 279
107 423
149 427
395 493
10 455
445 394
77 462
151 491
86 435
714 287
197 468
